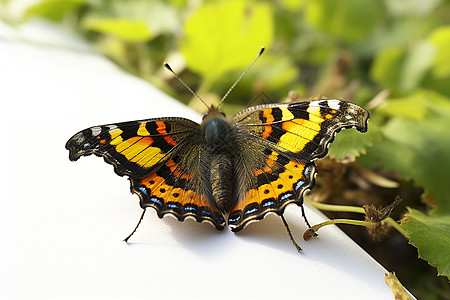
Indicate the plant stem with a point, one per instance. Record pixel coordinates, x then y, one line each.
310 232
396 226
331 207
355 209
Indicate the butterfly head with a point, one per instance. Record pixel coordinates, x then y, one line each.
213 112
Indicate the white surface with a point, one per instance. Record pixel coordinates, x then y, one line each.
62 223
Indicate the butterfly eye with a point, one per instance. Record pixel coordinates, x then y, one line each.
204 115
222 113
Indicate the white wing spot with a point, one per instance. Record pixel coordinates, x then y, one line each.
96 130
334 104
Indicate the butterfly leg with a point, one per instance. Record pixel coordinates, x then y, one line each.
304 216
306 220
290 234
134 230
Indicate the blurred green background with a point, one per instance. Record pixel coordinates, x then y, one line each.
391 56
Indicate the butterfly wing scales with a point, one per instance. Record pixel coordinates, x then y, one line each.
288 137
161 158
305 128
179 190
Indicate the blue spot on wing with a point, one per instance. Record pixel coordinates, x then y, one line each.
190 208
285 196
299 184
171 205
234 220
251 211
268 203
206 212
143 190
307 170
156 200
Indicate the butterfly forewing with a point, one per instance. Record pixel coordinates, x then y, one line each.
304 128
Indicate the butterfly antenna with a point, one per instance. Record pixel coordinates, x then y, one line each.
290 234
242 75
184 83
134 230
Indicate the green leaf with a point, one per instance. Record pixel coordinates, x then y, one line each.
430 235
351 143
440 38
438 77
411 107
53 9
418 149
386 69
128 30
417 62
226 35
402 69
132 21
282 73
348 19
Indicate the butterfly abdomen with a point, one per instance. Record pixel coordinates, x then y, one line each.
221 184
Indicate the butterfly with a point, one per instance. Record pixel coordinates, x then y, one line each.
222 171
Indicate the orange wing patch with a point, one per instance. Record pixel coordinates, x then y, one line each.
171 191
275 190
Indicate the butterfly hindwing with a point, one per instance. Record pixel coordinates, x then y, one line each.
285 139
270 187
160 156
178 187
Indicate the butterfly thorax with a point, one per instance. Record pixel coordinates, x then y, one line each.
220 141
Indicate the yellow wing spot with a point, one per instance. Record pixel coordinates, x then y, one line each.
328 116
287 115
116 139
126 147
148 157
139 151
142 131
299 133
314 114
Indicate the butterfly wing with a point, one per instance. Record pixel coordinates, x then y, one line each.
162 158
287 138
